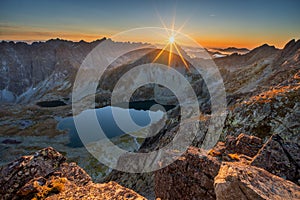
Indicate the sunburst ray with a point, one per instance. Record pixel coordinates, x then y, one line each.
170 54
159 54
181 57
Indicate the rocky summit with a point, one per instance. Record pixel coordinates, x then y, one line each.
256 156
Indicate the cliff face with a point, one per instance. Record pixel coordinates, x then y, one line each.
28 69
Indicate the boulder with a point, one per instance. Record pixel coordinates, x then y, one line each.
189 177
245 182
244 144
280 156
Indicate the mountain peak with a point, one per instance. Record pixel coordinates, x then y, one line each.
290 48
292 44
263 48
266 46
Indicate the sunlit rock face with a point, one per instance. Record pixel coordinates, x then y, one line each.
47 175
239 181
192 175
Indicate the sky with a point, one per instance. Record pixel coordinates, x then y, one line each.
211 23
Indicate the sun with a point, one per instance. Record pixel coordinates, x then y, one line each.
172 46
171 39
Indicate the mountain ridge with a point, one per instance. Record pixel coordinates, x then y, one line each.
26 68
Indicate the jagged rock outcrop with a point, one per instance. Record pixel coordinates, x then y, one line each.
104 191
168 181
242 148
239 181
194 173
189 177
61 188
142 183
280 156
46 175
243 144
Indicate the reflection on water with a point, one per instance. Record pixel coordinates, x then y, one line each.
107 123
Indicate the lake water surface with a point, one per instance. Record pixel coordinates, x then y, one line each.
107 122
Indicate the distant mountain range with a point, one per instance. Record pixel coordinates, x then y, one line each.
43 70
233 50
219 52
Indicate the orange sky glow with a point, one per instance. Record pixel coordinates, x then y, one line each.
208 41
211 23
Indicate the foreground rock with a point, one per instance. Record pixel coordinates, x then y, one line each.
190 177
239 181
280 156
243 144
242 148
66 189
46 175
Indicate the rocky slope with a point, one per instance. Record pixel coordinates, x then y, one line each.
272 106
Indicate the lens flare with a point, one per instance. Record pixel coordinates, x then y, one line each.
171 45
172 39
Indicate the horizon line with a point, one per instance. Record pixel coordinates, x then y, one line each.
30 42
